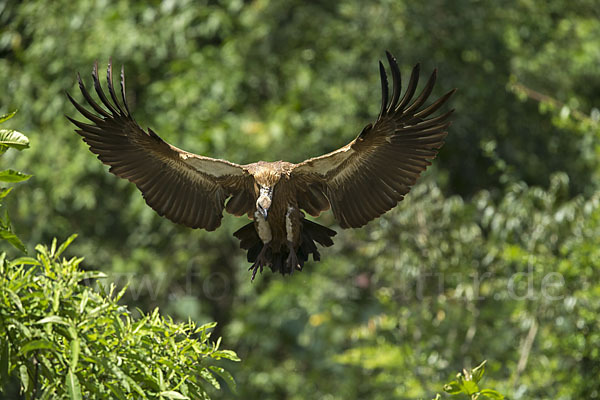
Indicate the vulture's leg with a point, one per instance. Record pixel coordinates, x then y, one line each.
262 260
292 229
292 259
264 233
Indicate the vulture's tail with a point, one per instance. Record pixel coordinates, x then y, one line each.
276 258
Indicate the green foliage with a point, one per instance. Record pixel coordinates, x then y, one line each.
512 276
10 138
63 338
441 282
467 383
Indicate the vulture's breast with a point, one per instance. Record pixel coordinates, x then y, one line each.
284 197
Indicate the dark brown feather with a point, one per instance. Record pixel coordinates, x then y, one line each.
370 175
184 187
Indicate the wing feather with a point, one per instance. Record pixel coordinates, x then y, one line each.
184 187
374 172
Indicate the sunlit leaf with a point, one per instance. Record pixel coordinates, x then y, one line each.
73 386
74 354
11 238
452 388
4 192
16 300
227 377
65 244
478 372
492 394
12 176
470 387
55 319
24 261
13 139
6 117
24 374
171 394
40 344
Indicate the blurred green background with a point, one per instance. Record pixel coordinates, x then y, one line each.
494 255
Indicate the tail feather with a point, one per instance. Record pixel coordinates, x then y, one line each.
248 236
253 252
318 233
277 263
311 233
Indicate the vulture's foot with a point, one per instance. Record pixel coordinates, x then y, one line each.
292 259
261 261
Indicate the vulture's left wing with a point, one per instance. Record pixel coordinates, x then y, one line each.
184 187
370 175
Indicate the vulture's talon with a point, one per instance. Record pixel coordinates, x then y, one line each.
261 261
292 260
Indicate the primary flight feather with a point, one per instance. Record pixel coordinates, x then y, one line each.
359 181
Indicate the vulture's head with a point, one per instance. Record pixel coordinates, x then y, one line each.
265 197
265 177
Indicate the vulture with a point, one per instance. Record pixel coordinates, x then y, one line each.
359 182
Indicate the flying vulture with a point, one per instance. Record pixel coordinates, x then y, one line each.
359 181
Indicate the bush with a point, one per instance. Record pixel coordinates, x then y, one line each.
65 335
16 140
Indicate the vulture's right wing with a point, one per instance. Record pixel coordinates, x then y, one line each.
184 187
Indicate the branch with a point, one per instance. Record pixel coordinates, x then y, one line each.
542 98
525 350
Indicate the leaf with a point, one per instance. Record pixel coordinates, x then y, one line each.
470 387
74 354
8 116
161 379
13 139
40 344
24 261
4 192
73 386
53 248
227 354
49 392
15 299
53 319
452 388
11 238
477 372
492 394
93 275
172 394
10 175
65 244
24 377
210 378
84 300
225 375
116 391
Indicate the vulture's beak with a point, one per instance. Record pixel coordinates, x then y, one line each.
264 201
264 212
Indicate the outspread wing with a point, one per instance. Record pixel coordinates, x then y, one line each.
370 175
184 187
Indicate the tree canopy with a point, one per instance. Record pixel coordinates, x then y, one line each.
494 255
